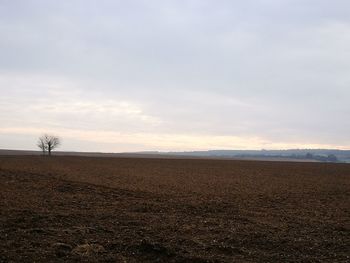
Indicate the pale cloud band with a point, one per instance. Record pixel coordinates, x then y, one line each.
163 142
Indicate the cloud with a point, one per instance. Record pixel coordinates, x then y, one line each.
273 70
60 103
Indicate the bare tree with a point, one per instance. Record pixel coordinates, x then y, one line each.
41 144
48 143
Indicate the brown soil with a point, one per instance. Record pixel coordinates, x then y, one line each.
67 209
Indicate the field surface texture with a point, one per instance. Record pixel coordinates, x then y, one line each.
81 209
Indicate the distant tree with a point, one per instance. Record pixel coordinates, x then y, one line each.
332 158
309 156
41 144
47 143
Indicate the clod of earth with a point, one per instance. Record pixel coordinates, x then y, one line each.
88 249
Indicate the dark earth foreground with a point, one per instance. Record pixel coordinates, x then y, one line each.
81 209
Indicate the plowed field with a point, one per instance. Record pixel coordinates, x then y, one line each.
85 209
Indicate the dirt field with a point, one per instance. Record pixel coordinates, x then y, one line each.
67 209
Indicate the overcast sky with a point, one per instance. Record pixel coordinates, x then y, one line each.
175 75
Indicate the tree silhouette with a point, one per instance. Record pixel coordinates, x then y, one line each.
41 144
47 143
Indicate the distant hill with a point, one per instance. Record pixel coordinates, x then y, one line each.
322 155
319 155
313 155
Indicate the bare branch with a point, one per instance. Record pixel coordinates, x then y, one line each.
41 144
48 143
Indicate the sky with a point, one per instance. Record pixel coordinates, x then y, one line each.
175 75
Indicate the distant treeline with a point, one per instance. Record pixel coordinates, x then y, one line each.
321 158
322 155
